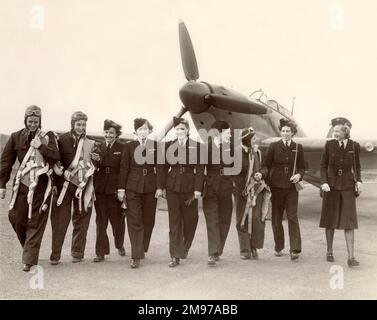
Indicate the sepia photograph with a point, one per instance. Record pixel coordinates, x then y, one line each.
198 152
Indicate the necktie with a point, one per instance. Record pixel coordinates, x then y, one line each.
108 147
342 145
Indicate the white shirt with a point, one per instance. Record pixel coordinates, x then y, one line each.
182 142
141 142
344 142
287 143
217 141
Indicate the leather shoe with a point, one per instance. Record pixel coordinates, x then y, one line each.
217 257
54 262
122 252
211 261
294 255
185 254
278 253
99 259
174 262
135 263
254 253
330 257
246 256
76 260
353 262
26 267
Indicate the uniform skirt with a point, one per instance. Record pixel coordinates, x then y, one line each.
339 210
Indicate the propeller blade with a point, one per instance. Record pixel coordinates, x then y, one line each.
190 67
235 104
169 125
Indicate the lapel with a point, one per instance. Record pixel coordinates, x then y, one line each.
281 145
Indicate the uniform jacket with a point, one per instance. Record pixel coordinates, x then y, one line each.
279 164
337 165
137 177
17 147
187 174
215 167
106 177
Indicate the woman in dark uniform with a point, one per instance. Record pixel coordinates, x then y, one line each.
280 163
108 207
218 189
341 180
184 184
142 177
37 152
251 191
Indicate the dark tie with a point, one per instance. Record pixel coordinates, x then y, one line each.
108 147
342 145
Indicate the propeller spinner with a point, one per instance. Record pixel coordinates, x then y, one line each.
197 97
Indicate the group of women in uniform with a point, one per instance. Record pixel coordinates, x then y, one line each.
65 176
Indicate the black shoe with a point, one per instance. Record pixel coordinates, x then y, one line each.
294 255
279 253
99 259
54 262
217 257
135 263
330 257
76 260
254 253
211 261
353 262
185 254
173 262
26 267
246 256
122 252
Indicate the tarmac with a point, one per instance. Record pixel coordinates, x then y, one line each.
269 277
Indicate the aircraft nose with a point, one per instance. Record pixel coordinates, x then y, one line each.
192 96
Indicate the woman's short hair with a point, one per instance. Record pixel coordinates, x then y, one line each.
111 124
288 123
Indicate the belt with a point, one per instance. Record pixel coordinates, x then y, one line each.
182 169
144 171
215 172
108 170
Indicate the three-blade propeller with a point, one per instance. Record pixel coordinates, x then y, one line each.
197 97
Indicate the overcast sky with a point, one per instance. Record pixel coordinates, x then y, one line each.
120 59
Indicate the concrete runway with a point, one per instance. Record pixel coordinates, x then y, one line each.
269 277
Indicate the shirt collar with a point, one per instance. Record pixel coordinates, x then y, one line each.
111 144
217 141
287 142
182 142
141 141
344 141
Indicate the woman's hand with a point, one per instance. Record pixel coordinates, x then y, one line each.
36 143
121 195
325 187
2 193
95 156
295 178
258 176
358 186
159 193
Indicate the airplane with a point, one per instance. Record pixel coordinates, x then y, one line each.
207 103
